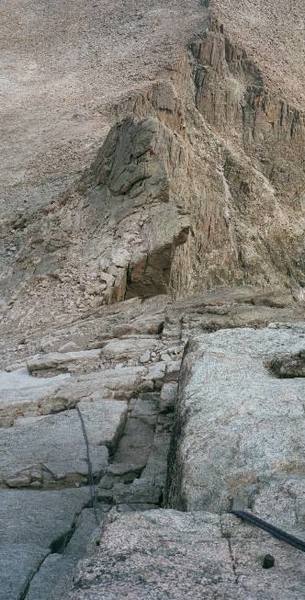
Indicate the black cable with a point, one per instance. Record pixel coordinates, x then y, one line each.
90 471
279 534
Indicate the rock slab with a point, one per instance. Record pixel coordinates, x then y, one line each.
165 554
239 428
43 451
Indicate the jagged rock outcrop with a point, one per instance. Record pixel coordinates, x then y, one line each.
198 184
158 155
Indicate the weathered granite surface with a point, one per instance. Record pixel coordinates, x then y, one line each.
18 564
166 554
21 393
45 498
50 450
121 368
239 428
31 525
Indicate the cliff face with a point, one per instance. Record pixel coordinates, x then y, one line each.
257 235
199 183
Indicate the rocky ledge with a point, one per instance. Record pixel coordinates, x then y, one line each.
177 401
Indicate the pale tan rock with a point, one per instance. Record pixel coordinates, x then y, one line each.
67 362
128 348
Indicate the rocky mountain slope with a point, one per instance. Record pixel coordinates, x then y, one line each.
151 298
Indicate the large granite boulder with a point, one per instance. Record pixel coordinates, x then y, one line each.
239 427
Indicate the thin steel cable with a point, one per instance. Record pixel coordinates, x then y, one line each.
279 534
90 471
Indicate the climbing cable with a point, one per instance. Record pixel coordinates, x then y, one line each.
90 471
279 534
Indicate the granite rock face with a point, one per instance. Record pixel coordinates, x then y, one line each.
239 427
81 431
168 554
50 450
31 523
120 366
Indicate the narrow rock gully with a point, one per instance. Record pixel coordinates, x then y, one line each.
120 367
